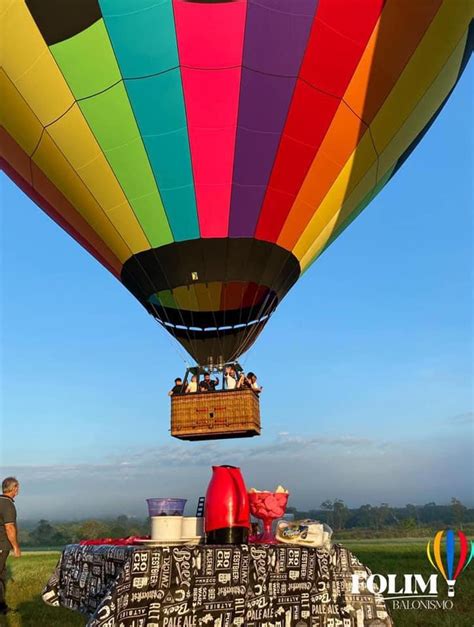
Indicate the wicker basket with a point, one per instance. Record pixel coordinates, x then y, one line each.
215 415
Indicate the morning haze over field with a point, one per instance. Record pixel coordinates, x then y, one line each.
366 366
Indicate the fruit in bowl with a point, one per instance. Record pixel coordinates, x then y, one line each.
268 506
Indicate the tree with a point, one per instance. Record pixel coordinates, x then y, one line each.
412 512
340 514
93 529
408 523
328 506
337 513
119 528
458 511
429 513
46 535
366 515
382 514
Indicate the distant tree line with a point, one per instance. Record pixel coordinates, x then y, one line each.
367 520
51 534
382 517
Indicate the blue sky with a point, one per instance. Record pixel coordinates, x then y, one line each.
367 364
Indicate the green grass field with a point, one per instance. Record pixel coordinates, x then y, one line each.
408 556
31 572
29 575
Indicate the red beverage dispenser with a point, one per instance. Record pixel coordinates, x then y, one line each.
227 513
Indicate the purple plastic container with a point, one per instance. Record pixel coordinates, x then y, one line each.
166 507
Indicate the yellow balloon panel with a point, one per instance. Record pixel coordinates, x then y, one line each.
31 67
442 37
127 226
336 214
423 111
208 296
74 138
355 169
17 117
185 298
56 167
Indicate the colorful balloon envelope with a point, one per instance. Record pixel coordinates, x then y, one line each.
206 153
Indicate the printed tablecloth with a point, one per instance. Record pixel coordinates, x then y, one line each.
214 586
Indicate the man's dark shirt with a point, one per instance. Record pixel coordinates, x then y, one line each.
177 389
210 385
7 515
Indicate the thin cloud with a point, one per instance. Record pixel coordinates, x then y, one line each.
462 419
356 468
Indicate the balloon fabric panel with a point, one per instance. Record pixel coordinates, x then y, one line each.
19 168
72 136
208 153
15 159
17 117
150 67
36 76
337 40
348 215
275 41
210 44
56 167
398 112
104 102
30 66
376 73
468 48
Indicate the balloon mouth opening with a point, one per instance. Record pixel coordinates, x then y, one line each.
211 329
229 307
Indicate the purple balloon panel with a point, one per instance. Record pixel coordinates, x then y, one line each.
275 40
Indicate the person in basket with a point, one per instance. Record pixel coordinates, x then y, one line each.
192 385
208 385
230 378
177 387
249 382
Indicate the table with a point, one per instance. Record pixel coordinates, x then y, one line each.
213 586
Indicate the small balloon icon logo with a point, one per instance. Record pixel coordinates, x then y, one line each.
444 561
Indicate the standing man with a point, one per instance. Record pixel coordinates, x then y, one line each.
8 533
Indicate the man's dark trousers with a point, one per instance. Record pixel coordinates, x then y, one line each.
3 577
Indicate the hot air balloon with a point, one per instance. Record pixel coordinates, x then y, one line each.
208 152
446 566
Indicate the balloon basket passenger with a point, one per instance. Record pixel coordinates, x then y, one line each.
215 403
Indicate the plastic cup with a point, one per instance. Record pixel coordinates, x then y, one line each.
166 507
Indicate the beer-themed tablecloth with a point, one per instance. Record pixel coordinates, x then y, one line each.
214 586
